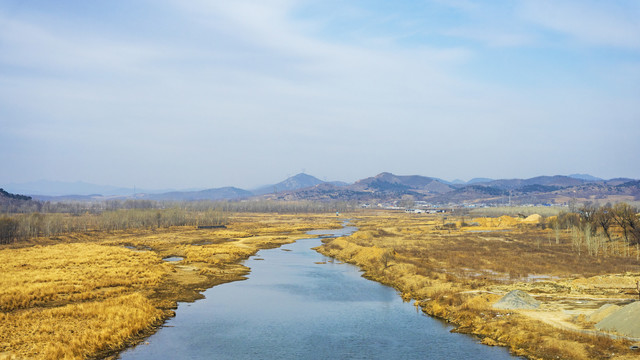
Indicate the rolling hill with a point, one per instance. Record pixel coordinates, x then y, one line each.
389 187
299 181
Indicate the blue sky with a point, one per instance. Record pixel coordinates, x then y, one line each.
177 94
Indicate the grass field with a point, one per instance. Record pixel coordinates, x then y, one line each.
91 294
516 210
457 272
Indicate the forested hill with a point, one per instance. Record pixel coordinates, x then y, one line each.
7 195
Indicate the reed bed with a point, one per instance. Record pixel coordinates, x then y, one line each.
91 294
454 273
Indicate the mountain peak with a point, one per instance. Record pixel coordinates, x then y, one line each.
304 176
298 181
585 177
295 182
389 182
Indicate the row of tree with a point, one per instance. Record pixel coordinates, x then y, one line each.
285 207
52 219
19 227
598 227
97 207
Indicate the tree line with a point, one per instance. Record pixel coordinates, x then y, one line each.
286 207
597 228
17 227
55 218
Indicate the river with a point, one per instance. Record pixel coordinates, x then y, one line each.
299 304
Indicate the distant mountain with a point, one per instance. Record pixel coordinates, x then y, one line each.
62 188
601 191
617 181
458 182
479 180
387 182
322 192
77 198
384 187
512 184
224 193
629 184
388 187
299 181
58 188
338 183
585 177
469 193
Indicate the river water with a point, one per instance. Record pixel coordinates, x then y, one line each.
299 304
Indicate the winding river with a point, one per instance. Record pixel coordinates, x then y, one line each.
299 304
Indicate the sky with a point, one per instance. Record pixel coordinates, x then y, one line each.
203 94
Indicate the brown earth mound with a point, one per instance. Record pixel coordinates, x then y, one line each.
624 321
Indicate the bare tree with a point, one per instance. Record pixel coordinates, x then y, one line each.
604 218
588 213
624 215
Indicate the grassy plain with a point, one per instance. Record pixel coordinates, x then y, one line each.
91 294
457 272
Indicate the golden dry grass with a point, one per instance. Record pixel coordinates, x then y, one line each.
49 275
86 295
78 330
456 273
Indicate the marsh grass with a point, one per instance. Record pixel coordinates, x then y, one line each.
74 331
449 273
48 275
85 295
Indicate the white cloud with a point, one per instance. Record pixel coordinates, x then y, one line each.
601 23
47 47
254 82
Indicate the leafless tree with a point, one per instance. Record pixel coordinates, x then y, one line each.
604 217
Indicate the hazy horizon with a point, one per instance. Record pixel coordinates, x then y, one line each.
55 188
171 94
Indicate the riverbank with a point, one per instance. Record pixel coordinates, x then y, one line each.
298 304
92 294
457 273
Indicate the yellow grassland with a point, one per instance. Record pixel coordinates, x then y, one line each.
89 295
458 273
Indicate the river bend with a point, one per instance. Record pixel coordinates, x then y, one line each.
299 304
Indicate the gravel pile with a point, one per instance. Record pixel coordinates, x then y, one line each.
624 321
604 311
517 299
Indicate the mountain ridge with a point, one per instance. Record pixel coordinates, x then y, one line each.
298 181
388 186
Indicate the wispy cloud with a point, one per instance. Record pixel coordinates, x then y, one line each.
596 23
47 47
289 84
